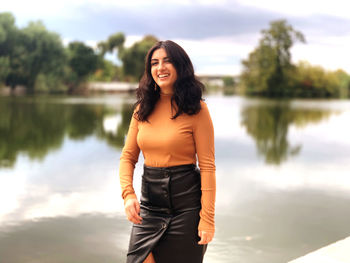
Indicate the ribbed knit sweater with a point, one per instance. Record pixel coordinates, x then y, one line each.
165 142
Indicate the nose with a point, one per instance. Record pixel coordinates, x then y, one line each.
160 65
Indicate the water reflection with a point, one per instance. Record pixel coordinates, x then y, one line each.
278 226
116 136
268 122
36 126
92 238
65 203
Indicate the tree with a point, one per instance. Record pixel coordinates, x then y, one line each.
133 58
315 81
229 85
4 69
268 68
106 70
344 80
8 32
114 42
37 52
82 61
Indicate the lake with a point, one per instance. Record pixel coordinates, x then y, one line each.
282 178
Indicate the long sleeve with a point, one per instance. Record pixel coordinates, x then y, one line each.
203 132
128 160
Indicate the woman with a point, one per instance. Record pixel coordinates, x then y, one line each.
170 124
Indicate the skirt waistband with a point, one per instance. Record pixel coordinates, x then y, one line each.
176 168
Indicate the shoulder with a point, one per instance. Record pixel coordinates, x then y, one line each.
202 119
204 108
203 112
203 104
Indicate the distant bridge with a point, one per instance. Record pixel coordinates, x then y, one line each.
112 86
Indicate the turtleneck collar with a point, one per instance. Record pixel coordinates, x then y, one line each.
165 94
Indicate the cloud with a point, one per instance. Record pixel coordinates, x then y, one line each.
329 52
190 19
302 8
217 34
83 20
220 55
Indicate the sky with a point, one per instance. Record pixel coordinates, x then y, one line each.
217 34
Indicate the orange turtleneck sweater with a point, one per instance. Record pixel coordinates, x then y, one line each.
165 142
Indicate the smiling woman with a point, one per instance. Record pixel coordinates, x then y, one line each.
171 124
163 71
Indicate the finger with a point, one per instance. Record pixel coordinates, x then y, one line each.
137 210
137 207
136 218
130 213
203 239
200 235
136 215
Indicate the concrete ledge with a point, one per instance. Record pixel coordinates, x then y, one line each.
338 252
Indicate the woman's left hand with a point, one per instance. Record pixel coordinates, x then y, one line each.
205 236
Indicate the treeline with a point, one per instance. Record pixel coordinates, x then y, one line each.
37 59
268 70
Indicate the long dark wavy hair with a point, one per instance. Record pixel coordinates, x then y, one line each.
187 88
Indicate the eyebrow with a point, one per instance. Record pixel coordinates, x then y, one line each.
157 58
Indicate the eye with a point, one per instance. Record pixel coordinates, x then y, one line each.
154 63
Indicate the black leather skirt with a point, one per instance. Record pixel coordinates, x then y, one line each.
170 205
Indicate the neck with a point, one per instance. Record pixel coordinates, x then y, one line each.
166 91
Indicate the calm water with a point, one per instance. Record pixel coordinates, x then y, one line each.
282 178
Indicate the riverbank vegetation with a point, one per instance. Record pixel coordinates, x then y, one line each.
269 71
35 58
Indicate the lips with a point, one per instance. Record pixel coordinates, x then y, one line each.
162 76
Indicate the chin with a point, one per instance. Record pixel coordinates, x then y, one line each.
164 85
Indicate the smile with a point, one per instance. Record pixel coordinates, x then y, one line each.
163 76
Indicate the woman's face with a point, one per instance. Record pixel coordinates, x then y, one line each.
162 70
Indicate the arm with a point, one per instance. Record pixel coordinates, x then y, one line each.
128 160
203 133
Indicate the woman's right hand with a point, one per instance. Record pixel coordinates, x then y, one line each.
132 210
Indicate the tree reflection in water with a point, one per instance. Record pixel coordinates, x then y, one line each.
269 122
34 126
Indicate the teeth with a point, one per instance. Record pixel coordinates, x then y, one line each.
164 75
